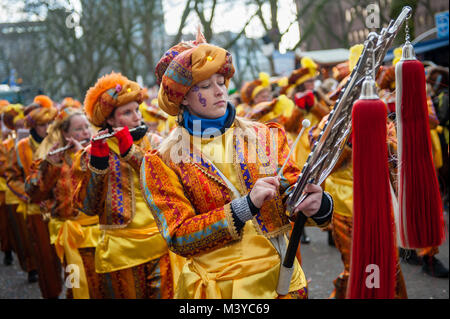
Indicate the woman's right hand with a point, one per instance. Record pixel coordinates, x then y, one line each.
265 189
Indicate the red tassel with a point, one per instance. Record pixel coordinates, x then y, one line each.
421 222
373 261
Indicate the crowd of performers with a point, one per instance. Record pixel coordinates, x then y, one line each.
159 211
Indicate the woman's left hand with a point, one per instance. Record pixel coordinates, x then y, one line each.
310 206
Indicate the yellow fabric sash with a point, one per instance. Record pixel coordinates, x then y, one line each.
70 236
208 280
246 269
11 198
2 184
22 208
136 233
28 209
54 225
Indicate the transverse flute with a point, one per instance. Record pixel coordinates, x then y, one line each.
64 148
108 135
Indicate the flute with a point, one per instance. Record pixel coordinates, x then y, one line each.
64 148
108 135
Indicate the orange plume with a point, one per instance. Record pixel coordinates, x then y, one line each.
43 100
4 103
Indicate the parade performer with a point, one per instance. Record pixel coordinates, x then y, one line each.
6 236
156 120
13 118
51 183
38 115
342 71
131 255
253 93
275 110
300 89
215 196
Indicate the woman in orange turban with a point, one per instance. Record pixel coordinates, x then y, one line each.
131 255
38 116
212 185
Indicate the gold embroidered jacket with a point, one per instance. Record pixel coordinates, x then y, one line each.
110 193
191 202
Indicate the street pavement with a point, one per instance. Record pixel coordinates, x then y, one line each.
321 264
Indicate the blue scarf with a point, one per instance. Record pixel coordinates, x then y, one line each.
218 124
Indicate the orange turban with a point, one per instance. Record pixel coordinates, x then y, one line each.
110 92
187 64
40 112
70 102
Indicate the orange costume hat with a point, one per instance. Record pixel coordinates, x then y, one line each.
70 102
3 103
251 89
185 65
40 112
110 92
307 71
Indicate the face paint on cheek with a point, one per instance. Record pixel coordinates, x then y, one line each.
201 99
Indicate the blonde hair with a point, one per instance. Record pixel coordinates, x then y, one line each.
54 135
